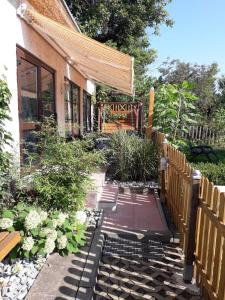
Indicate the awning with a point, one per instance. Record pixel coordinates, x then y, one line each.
97 61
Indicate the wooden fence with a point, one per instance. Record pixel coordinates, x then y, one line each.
206 240
204 135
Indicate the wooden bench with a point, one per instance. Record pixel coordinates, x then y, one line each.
7 242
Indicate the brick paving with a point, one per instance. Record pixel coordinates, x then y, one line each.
137 267
126 277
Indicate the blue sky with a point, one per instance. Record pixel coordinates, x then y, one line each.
198 34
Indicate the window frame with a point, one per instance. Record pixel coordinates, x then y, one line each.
72 85
25 55
86 98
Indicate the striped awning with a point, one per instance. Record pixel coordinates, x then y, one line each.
95 60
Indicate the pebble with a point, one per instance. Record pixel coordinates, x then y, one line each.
15 282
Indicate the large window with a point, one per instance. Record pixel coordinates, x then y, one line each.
36 95
86 112
72 108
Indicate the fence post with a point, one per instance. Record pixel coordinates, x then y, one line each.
163 168
191 227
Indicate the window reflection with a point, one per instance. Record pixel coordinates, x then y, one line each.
47 92
29 91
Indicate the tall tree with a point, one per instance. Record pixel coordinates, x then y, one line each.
202 77
122 24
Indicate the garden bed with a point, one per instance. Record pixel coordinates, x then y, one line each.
19 275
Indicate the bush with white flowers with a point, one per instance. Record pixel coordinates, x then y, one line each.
43 233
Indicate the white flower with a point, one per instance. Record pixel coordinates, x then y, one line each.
43 215
54 223
61 218
62 242
81 217
18 267
50 233
32 220
6 223
28 243
49 246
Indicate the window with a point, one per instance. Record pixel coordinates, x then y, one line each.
86 112
72 108
36 96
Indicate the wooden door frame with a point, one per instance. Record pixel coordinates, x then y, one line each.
22 53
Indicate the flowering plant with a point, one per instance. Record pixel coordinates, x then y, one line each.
42 232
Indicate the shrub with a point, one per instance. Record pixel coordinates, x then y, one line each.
43 233
5 139
61 179
135 158
214 172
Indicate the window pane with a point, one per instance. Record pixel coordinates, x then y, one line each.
75 104
29 91
88 113
47 92
85 125
30 145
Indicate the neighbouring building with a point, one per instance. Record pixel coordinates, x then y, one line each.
52 68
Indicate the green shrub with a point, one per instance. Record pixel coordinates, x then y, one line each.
61 180
135 158
43 233
214 172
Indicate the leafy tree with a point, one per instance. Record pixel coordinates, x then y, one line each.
203 79
174 109
122 24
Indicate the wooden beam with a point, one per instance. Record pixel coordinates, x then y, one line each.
150 112
8 243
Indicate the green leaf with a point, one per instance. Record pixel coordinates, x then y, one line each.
34 250
8 214
35 232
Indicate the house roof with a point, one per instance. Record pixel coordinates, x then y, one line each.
56 10
94 60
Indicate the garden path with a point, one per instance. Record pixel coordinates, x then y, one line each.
138 260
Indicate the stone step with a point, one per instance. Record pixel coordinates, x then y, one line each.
109 196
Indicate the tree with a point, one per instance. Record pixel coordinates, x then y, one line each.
203 79
122 24
174 109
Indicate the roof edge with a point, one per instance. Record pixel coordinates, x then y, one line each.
70 15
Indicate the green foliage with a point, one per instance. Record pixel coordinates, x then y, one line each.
5 139
61 179
203 79
43 233
174 109
122 25
214 172
135 158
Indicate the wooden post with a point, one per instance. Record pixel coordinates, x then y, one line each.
150 112
191 231
163 168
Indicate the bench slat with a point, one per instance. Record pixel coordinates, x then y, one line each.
9 243
3 235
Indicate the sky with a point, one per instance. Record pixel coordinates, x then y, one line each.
197 36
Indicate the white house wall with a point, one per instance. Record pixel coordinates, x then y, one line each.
15 31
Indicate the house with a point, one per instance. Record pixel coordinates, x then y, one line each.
52 68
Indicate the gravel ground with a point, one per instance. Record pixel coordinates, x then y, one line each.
18 275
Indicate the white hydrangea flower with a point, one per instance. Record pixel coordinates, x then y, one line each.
6 223
43 215
61 218
32 220
17 268
81 217
50 233
28 243
62 242
49 246
54 223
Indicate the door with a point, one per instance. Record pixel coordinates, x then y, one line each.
36 98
